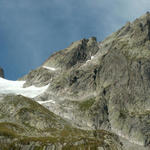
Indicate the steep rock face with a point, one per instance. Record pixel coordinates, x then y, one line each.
63 62
1 73
124 76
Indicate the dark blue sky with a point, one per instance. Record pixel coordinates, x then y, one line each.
31 30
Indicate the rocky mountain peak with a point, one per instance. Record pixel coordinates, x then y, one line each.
1 73
77 53
140 28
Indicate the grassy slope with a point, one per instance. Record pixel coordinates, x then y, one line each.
56 131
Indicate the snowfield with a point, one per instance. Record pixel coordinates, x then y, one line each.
49 68
16 87
44 102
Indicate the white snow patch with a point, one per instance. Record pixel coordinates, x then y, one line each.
92 57
147 109
49 68
88 61
67 116
48 101
16 87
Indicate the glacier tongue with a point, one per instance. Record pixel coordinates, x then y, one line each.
16 87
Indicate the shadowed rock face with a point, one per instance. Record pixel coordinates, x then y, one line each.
1 73
103 85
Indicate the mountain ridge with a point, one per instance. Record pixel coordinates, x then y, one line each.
101 86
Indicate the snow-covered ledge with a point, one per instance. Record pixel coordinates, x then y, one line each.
48 101
49 68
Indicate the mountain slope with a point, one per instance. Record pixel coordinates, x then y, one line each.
102 85
115 76
25 124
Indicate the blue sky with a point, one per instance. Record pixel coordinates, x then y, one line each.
31 30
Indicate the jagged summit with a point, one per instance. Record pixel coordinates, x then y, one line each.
146 16
138 30
78 52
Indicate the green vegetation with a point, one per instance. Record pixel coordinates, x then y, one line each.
9 129
69 139
85 105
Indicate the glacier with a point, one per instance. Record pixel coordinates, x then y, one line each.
16 87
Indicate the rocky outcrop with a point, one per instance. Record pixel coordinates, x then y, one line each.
64 62
77 53
1 73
